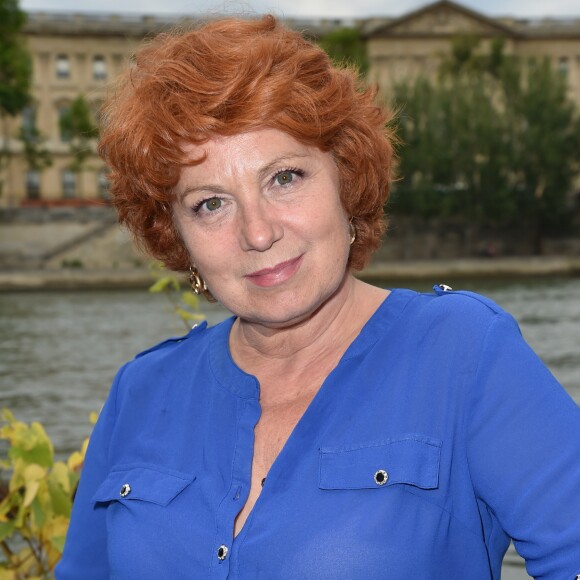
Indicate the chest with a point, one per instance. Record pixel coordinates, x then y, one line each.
320 513
270 435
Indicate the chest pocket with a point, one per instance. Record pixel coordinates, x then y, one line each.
410 459
143 483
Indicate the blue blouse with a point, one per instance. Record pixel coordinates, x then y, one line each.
438 436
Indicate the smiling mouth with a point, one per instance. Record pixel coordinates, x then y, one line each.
276 275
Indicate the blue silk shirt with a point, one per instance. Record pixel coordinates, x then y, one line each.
437 437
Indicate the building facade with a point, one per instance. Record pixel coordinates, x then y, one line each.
413 44
79 54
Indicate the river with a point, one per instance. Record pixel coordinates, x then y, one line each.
60 351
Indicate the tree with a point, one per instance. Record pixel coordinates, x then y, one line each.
346 46
15 71
545 142
77 127
493 139
37 156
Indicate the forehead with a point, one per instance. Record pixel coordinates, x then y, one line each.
262 142
253 151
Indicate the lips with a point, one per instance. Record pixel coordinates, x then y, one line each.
276 275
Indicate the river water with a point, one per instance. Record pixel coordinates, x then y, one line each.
59 351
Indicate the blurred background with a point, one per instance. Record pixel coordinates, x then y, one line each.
486 99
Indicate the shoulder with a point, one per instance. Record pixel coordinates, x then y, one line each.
157 367
446 300
456 315
168 346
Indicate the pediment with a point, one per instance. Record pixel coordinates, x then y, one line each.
442 19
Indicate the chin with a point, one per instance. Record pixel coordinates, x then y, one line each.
285 312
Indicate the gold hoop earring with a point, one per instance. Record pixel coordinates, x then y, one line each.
352 231
198 284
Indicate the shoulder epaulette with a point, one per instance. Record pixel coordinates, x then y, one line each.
170 341
442 289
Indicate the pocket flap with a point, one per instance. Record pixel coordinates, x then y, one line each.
126 483
411 459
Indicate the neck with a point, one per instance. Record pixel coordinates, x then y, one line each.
310 348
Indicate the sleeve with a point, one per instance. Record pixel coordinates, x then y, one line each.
524 453
85 550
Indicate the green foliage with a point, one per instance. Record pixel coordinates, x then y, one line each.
36 155
78 127
15 71
346 46
72 263
493 139
184 304
15 61
35 502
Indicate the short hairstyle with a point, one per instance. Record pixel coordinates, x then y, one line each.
227 77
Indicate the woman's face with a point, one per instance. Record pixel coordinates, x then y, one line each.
262 219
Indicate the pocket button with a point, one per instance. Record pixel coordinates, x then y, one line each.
381 477
125 490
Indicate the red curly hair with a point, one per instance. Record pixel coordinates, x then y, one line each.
227 77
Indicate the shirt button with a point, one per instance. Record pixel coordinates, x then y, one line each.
445 288
125 490
381 477
222 552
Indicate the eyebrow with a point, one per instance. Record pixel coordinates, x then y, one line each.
262 173
285 156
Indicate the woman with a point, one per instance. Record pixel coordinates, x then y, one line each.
329 429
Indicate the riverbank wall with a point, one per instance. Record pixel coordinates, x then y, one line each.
84 248
433 271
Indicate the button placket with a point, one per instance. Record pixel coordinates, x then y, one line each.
222 552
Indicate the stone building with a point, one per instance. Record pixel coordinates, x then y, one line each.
402 47
78 54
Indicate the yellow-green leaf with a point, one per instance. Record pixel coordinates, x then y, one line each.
31 444
6 528
60 475
7 415
186 315
61 501
163 284
58 543
31 491
191 300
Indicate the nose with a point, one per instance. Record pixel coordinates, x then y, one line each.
260 227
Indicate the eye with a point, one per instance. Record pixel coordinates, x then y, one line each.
287 176
210 204
284 177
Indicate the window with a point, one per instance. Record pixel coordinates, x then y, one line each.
29 122
103 183
33 185
69 184
99 68
64 123
563 66
62 67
